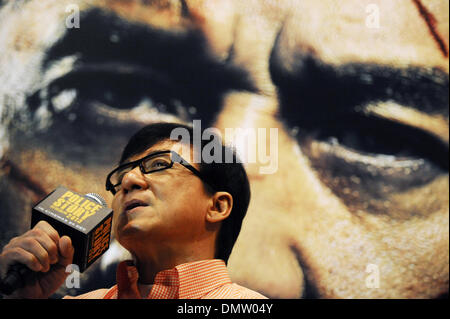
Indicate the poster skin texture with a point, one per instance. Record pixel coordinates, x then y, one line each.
342 108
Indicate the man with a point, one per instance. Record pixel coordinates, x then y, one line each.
174 217
358 90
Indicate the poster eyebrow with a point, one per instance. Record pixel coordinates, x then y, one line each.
356 84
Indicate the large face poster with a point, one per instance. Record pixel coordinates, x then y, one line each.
340 108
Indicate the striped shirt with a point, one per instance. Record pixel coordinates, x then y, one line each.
205 279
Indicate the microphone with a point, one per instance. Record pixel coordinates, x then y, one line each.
86 219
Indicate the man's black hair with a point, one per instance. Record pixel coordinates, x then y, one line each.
229 177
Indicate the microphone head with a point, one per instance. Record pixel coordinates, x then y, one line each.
96 197
86 219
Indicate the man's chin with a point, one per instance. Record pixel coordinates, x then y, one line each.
133 232
128 231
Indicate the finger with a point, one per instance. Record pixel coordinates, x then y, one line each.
20 255
66 251
48 229
50 246
33 246
41 235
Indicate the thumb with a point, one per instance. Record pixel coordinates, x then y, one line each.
66 251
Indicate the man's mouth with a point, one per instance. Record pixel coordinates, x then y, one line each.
133 204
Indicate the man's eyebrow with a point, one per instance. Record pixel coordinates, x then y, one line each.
345 87
105 37
424 89
144 153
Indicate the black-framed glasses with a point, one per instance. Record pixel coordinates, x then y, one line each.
154 162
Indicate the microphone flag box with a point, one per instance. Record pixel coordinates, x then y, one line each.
85 221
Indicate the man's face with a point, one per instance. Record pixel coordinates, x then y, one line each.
358 91
171 209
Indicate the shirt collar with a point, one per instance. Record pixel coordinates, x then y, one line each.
191 280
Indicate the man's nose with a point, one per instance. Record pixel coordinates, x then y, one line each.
134 179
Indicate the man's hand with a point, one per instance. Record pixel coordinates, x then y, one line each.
44 252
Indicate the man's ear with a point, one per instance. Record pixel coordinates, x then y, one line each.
220 208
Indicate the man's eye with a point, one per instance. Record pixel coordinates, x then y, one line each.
158 164
373 136
109 95
118 91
